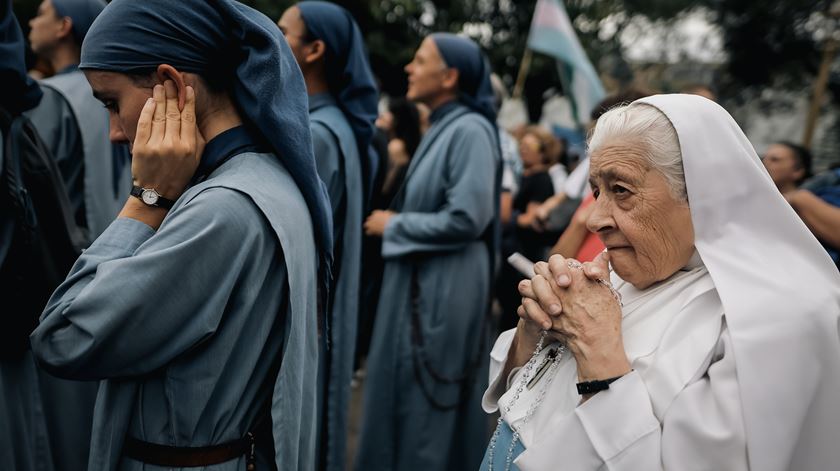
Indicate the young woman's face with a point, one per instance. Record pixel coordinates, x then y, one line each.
123 98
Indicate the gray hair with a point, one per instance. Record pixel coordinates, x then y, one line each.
646 125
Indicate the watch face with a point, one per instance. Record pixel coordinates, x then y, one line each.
150 197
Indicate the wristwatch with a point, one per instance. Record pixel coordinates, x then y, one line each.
151 197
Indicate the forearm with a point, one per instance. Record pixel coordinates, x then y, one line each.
139 211
822 219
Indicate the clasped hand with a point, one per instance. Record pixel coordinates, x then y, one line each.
578 310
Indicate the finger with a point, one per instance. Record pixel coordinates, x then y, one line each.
597 269
560 270
173 114
534 313
188 129
144 123
549 302
542 269
526 290
159 118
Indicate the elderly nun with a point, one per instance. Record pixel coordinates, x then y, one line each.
425 368
197 307
713 344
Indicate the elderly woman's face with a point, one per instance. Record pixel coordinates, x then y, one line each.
648 233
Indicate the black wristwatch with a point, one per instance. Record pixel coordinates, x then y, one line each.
150 197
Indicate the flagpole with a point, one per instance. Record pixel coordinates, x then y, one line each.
524 67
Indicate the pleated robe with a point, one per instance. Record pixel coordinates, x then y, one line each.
436 251
337 160
186 326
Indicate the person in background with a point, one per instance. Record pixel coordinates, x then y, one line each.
424 376
330 51
45 422
817 201
788 164
96 172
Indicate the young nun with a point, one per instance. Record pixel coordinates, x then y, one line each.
72 122
197 307
329 48
422 397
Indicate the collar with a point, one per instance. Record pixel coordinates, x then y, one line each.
443 110
234 141
68 69
320 100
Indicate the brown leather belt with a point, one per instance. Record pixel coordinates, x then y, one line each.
189 457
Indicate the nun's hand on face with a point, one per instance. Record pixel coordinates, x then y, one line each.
566 299
168 145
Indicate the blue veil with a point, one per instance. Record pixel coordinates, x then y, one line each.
475 90
82 12
348 74
20 92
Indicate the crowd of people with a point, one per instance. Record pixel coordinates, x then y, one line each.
199 268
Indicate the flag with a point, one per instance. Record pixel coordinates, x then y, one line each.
552 34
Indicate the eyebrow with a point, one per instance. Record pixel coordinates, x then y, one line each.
611 174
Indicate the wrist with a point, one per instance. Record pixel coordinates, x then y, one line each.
139 211
598 366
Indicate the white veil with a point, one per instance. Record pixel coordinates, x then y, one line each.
780 290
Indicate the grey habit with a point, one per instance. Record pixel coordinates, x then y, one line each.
185 369
413 420
75 127
337 159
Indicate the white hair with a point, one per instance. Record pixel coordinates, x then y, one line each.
647 126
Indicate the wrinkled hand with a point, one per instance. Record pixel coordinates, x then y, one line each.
168 145
575 308
376 222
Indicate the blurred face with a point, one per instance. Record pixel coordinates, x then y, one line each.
426 74
648 233
529 151
124 100
782 165
294 29
46 28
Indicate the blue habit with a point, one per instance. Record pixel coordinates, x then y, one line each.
436 285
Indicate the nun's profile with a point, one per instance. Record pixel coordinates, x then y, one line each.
197 306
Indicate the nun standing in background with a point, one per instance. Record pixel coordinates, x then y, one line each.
197 307
423 390
72 122
330 51
38 431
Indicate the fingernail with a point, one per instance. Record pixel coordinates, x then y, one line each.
546 325
563 279
595 271
554 309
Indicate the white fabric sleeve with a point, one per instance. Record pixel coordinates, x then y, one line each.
498 358
616 429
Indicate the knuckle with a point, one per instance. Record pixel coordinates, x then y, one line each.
173 115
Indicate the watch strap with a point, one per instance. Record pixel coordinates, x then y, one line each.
162 202
591 387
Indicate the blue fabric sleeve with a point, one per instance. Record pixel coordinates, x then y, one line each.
471 168
137 298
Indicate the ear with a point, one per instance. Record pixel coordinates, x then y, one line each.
66 28
450 79
167 72
318 49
